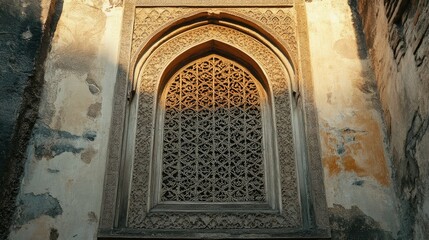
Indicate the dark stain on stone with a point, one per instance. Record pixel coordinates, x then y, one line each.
340 149
354 224
31 206
329 97
357 24
90 135
410 171
92 85
88 155
358 182
94 110
53 170
349 135
58 149
50 143
410 185
53 234
92 217
367 87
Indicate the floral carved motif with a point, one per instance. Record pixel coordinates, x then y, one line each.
281 21
138 215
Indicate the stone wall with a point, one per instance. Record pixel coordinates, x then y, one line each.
397 33
25 30
60 193
358 183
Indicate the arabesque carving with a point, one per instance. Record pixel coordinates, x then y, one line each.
212 147
280 21
138 216
268 35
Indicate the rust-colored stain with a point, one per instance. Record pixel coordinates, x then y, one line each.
356 151
351 166
331 163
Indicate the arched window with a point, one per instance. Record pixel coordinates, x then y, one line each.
213 116
210 135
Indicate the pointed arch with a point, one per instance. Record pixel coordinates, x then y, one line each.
220 48
274 75
224 18
223 114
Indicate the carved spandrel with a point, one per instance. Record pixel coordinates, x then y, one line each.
281 21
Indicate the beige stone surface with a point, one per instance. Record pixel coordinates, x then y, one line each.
356 167
77 98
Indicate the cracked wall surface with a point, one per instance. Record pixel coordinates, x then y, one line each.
397 33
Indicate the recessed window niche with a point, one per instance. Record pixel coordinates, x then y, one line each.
213 133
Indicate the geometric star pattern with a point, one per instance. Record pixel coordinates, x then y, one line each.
212 140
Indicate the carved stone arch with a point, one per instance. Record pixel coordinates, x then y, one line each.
221 17
129 210
277 77
218 47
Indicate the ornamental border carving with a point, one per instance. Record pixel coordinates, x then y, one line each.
151 74
278 20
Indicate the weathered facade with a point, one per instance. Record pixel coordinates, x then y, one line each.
397 33
357 72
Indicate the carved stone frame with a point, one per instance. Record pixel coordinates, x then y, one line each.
270 161
134 83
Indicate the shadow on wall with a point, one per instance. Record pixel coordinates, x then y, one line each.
397 34
354 223
24 44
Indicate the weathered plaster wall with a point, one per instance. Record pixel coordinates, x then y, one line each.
397 33
358 181
25 30
60 194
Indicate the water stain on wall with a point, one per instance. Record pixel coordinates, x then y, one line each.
355 151
49 143
32 206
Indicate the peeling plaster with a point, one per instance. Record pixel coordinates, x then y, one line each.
49 143
93 87
31 206
347 151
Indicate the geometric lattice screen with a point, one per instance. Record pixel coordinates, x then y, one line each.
212 139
